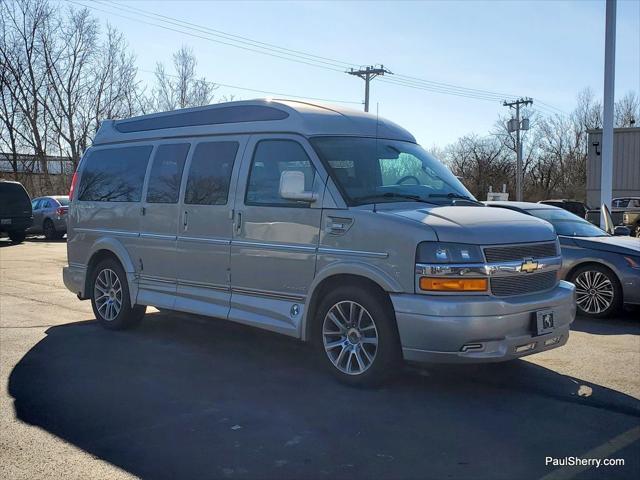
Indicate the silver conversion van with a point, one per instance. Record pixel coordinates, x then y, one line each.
328 225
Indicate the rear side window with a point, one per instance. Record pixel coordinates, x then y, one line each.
271 158
114 174
166 173
210 173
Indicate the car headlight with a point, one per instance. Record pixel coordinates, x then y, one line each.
441 252
446 280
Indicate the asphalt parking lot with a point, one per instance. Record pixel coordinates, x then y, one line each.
189 397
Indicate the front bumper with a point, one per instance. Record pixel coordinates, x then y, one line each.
435 328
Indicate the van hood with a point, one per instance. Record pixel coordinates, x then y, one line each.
480 225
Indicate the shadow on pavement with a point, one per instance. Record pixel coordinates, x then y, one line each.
625 323
185 397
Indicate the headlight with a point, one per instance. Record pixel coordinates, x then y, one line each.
450 253
441 252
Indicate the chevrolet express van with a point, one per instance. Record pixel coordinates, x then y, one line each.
328 225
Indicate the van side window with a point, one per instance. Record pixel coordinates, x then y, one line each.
114 174
210 173
166 173
270 159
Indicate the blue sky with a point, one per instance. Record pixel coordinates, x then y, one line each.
548 50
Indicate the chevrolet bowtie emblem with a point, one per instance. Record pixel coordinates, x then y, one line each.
528 266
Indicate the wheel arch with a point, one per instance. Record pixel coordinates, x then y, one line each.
596 263
110 248
365 276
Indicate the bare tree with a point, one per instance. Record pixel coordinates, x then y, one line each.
481 162
25 73
182 89
627 110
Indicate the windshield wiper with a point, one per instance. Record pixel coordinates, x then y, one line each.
404 196
453 195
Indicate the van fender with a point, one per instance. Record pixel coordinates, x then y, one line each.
359 269
114 246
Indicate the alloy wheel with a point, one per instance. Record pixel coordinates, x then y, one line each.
350 337
594 291
107 293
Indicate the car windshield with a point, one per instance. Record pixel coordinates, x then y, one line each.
64 201
370 170
568 224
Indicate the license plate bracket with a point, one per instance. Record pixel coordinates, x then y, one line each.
545 322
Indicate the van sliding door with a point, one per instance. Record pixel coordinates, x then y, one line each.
204 230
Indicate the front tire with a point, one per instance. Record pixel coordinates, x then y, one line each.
598 291
110 298
17 236
50 232
356 336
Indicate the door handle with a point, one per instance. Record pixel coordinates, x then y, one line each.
239 222
185 220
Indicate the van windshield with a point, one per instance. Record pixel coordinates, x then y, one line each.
370 170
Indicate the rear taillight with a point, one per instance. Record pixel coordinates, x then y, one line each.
61 211
73 185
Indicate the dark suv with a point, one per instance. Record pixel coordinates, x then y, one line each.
15 210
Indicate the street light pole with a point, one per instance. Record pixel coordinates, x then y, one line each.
606 172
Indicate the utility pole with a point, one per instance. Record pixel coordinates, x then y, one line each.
606 173
515 125
368 74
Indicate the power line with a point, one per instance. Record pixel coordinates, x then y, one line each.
201 36
234 36
298 56
280 94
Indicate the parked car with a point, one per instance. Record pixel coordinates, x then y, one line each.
574 206
50 216
604 268
328 225
624 211
15 210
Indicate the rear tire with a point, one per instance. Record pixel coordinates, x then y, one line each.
356 336
17 236
110 297
49 230
598 291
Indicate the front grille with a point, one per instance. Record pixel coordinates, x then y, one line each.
510 253
523 284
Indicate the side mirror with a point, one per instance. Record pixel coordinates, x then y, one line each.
621 230
292 187
606 222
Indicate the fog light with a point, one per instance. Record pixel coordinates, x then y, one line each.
552 341
526 348
435 284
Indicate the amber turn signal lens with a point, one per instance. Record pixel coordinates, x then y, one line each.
432 284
